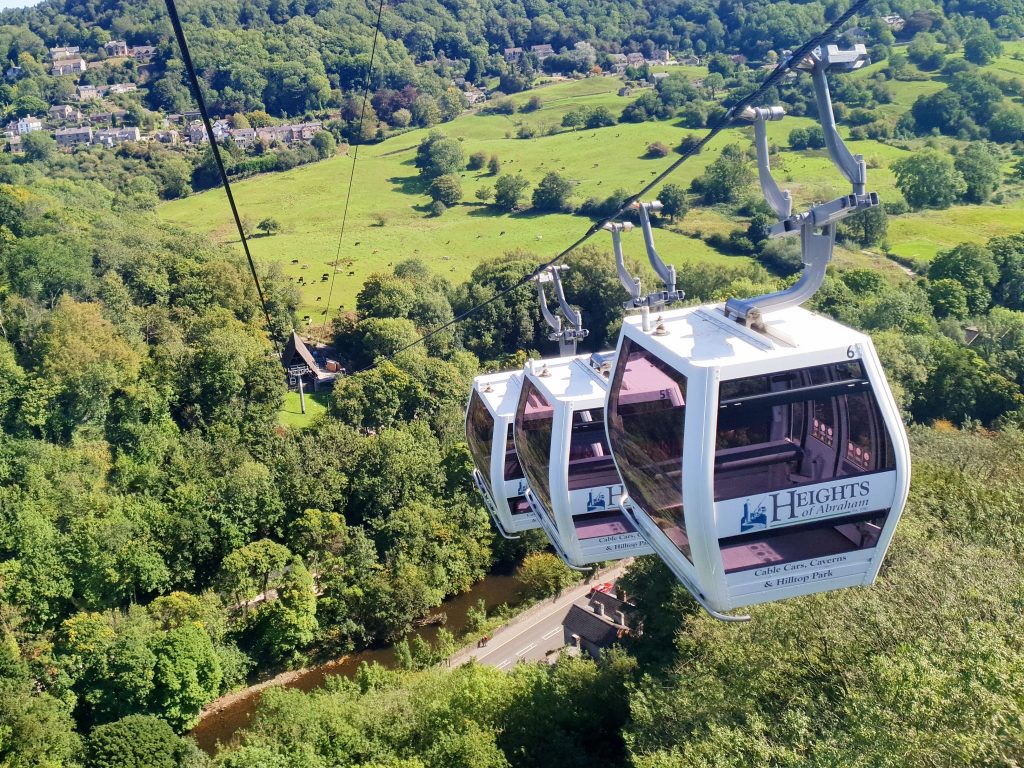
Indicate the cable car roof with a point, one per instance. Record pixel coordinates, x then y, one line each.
704 337
570 379
500 391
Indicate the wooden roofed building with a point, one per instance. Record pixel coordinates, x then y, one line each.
313 367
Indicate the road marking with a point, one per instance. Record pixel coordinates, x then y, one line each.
528 648
504 664
552 633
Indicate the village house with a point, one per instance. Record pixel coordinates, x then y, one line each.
474 97
661 56
70 137
895 21
64 52
122 88
107 118
196 133
635 59
143 53
14 145
116 48
597 629
28 124
243 137
619 67
690 61
513 55
288 134
87 93
171 137
64 112
112 136
68 67
542 51
657 77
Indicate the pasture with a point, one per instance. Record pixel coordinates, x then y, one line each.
388 220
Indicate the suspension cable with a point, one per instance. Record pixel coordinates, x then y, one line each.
720 125
179 33
355 155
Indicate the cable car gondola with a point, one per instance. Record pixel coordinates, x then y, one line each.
574 487
562 444
761 450
497 472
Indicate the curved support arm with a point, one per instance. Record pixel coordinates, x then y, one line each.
630 283
571 314
780 200
664 271
817 253
829 57
553 320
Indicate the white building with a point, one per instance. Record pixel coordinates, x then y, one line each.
28 125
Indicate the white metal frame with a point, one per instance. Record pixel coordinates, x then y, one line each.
499 393
571 384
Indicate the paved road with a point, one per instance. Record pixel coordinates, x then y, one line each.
540 633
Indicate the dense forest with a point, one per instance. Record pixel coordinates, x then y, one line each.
163 539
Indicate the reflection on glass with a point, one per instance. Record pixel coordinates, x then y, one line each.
646 414
590 458
803 542
479 435
513 469
534 418
798 427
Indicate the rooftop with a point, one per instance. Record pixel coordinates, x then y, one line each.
569 379
503 396
704 337
590 627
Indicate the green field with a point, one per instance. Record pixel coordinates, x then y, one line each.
291 414
309 201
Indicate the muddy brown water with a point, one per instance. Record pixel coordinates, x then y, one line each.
222 725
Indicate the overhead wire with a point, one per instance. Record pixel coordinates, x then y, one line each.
186 57
355 153
720 125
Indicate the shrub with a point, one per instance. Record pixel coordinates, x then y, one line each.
477 160
657 149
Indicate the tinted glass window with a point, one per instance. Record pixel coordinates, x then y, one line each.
479 434
590 458
534 418
646 414
801 542
513 470
798 427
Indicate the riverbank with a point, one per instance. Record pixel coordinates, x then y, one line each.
222 719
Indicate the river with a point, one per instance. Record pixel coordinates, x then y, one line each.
222 725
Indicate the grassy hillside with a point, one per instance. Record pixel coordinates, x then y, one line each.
309 200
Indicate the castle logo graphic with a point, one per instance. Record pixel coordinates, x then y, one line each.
756 520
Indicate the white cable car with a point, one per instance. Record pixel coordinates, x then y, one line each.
497 471
762 453
574 487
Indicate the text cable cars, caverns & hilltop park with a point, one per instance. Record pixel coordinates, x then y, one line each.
761 449
574 488
497 471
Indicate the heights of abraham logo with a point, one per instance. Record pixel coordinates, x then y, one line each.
756 520
597 502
